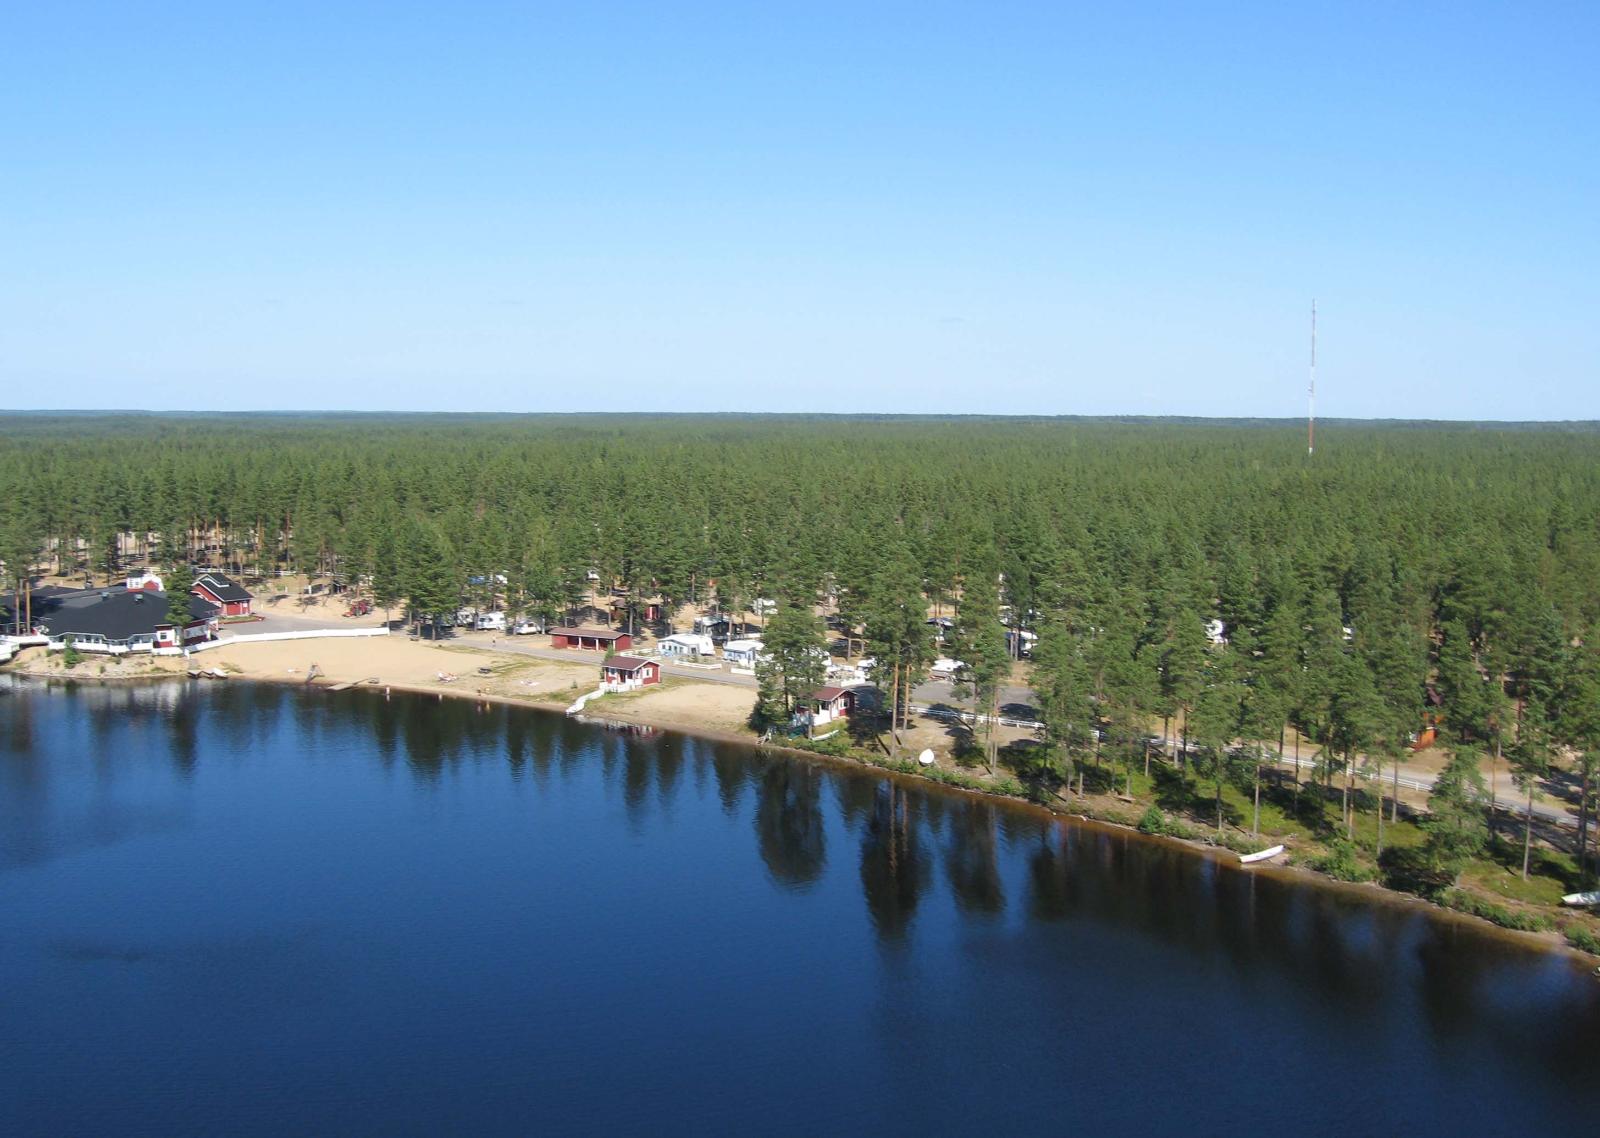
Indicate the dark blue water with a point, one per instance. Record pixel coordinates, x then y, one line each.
248 909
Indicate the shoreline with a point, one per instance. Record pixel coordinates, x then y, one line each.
1369 892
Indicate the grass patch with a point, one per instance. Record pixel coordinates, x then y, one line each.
1464 902
1497 878
1584 938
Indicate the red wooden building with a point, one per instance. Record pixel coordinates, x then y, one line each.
598 639
625 673
829 704
232 598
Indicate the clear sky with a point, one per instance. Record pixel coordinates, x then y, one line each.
986 207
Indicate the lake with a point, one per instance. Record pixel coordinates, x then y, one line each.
250 909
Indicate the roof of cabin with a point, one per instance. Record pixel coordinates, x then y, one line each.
591 633
626 663
222 587
116 614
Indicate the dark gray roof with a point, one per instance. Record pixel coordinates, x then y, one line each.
222 587
116 614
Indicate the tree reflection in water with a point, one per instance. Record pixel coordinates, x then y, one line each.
894 866
788 822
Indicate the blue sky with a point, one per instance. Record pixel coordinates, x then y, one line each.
860 207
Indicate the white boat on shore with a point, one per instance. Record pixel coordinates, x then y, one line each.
1582 900
1260 855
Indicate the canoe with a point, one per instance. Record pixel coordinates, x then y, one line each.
1261 855
1582 900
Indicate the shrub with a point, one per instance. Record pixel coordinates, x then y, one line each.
1153 821
71 657
1342 863
1463 902
1584 938
836 745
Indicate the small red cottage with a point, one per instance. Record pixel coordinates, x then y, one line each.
625 673
599 639
830 703
232 598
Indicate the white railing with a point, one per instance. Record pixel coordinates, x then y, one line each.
306 634
949 713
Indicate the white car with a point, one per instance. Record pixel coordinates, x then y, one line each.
526 626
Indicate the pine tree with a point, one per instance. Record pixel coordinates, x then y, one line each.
793 661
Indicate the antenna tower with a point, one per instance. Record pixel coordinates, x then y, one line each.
1311 393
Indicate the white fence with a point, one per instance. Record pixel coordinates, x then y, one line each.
308 634
949 713
10 645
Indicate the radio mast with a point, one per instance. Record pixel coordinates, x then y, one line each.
1311 393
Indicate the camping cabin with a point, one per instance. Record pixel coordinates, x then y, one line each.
594 639
230 597
742 653
628 673
828 705
647 611
714 625
687 644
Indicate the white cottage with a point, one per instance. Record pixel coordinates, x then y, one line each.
687 644
742 653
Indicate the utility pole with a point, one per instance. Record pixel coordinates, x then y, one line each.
1311 394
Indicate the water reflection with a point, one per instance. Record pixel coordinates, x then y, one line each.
1074 909
971 858
895 870
788 821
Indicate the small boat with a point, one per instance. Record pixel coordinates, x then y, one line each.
1260 855
926 758
1582 900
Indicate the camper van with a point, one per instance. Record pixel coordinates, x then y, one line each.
490 622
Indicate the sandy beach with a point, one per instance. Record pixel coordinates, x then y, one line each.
447 668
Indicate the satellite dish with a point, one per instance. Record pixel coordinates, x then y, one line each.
926 758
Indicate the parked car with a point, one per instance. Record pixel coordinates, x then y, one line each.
527 626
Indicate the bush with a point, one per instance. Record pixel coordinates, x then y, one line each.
1153 821
837 745
71 657
1342 863
1584 938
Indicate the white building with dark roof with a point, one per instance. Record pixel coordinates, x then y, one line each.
122 620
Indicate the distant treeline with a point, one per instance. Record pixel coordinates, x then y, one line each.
1464 559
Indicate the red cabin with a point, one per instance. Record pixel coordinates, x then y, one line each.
595 639
625 673
232 598
830 703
